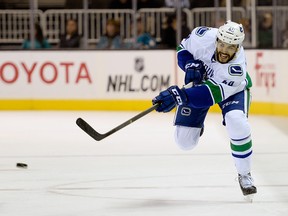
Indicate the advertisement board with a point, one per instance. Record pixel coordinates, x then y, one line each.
268 72
85 74
120 80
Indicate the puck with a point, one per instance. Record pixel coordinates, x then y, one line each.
22 165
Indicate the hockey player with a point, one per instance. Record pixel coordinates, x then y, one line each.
214 60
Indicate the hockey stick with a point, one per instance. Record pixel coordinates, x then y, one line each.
97 136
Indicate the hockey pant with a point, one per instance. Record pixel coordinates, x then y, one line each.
189 121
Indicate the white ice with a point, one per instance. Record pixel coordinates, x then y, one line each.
138 171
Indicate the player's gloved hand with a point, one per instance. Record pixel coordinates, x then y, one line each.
169 98
194 71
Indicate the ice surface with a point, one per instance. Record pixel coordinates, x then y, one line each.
137 171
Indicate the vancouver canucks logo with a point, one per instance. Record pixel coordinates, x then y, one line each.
186 111
200 31
235 70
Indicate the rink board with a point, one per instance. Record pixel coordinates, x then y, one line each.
120 80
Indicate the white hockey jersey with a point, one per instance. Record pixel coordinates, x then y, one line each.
223 80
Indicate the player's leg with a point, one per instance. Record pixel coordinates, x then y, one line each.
235 112
189 124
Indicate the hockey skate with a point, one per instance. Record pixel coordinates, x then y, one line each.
247 186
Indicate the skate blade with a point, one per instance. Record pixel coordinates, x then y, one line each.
249 198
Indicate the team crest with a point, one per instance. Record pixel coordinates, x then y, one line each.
186 111
235 70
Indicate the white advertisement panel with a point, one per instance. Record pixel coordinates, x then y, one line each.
126 75
268 70
137 74
85 74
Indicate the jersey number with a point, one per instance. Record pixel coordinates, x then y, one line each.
230 83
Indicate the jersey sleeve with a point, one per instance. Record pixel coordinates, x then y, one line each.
183 52
183 56
192 46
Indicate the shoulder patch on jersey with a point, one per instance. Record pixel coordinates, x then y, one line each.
200 31
235 70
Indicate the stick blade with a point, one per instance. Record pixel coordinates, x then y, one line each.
89 130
